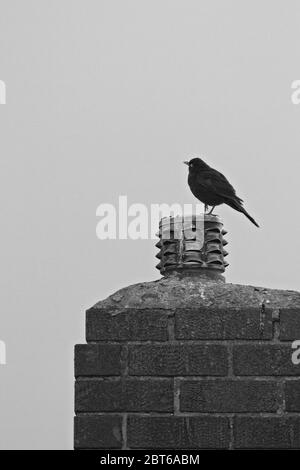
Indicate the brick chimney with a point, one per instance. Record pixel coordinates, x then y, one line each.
189 361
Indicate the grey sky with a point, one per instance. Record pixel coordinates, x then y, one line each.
108 97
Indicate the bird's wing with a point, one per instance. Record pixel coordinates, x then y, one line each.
214 181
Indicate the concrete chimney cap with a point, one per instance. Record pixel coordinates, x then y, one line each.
176 291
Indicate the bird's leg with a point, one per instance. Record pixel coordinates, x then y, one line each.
205 208
211 210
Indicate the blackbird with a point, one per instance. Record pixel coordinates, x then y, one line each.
212 188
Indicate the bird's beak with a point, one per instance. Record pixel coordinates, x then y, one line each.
187 163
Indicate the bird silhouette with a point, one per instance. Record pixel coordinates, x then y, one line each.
212 188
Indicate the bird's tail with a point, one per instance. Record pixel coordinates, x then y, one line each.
238 207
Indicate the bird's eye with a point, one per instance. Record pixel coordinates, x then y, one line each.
191 165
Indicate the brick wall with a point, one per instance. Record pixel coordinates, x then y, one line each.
188 378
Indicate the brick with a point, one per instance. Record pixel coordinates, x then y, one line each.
127 325
292 395
124 395
98 432
179 359
210 323
289 324
97 359
170 432
217 395
258 359
266 432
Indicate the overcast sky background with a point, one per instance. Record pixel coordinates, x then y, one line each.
105 98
